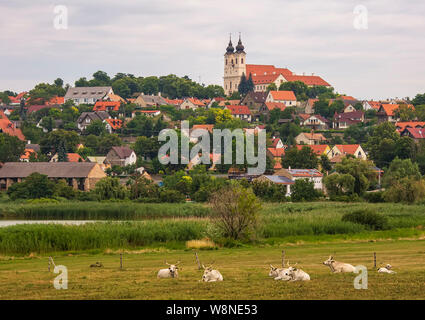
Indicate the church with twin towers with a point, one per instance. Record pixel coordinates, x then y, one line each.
262 75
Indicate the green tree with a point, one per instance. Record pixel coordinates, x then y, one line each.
243 88
303 190
97 128
11 148
360 170
399 169
300 159
339 184
35 186
235 212
110 188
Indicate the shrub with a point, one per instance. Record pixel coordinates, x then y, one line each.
406 190
110 188
35 186
374 197
172 196
368 218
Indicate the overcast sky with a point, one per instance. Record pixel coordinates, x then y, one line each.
189 37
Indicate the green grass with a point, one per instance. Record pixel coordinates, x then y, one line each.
73 210
245 272
279 222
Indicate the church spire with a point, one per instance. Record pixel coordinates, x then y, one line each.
230 48
240 48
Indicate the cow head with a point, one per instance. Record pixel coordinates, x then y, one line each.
329 261
172 268
207 271
273 272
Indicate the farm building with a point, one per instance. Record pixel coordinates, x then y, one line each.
80 175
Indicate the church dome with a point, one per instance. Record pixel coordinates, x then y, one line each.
240 48
230 48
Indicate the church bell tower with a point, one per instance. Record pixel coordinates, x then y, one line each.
234 66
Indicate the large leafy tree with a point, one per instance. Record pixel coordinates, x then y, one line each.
384 144
399 169
300 159
11 148
360 170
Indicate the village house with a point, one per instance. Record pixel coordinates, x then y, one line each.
112 125
80 175
267 107
254 100
107 106
318 149
371 105
310 138
417 134
192 103
347 119
286 97
314 122
275 154
87 118
121 156
25 157
87 95
274 179
387 112
341 150
6 126
285 176
240 112
400 126
150 101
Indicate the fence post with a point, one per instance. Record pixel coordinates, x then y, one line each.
374 260
197 260
121 261
283 258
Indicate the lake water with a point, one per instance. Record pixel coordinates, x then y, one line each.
7 223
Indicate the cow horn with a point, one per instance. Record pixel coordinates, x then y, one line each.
167 263
177 263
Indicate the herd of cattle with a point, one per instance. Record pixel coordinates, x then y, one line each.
291 273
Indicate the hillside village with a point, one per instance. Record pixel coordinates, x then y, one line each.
107 127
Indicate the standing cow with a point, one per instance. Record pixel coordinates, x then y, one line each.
336 266
170 272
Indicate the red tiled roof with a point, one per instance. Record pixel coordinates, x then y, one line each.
6 126
276 152
27 153
74 157
17 99
196 101
347 148
314 136
416 133
114 123
283 95
275 141
308 80
274 105
236 110
37 107
106 105
262 70
209 127
412 124
375 104
389 108
318 149
56 100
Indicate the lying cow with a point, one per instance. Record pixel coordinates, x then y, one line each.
170 272
211 275
278 273
336 266
295 274
386 269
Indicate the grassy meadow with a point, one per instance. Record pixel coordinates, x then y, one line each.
245 271
149 234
